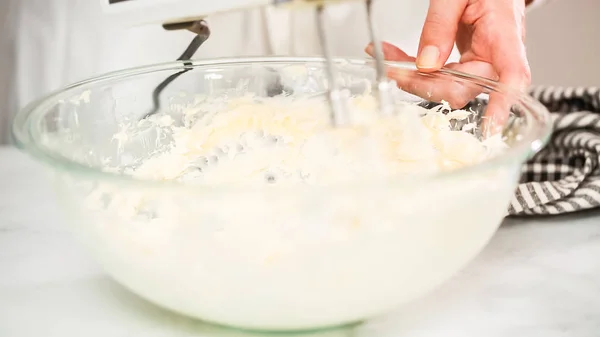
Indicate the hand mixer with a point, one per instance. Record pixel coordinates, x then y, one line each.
189 14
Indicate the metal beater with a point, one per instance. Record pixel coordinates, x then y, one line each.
337 101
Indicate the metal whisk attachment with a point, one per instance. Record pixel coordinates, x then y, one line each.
338 104
337 101
200 28
384 85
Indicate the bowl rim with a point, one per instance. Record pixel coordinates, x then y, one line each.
529 144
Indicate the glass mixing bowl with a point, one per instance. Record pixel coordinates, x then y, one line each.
272 257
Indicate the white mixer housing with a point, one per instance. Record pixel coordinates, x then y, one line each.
144 12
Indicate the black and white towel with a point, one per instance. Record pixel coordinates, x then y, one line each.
565 176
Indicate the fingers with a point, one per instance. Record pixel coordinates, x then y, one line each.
515 74
439 33
463 93
509 57
444 88
508 52
438 88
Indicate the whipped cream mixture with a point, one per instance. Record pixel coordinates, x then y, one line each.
286 140
273 259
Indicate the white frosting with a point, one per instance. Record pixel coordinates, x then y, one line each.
285 140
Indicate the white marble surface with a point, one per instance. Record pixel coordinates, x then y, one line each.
539 277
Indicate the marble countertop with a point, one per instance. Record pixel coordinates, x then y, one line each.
538 277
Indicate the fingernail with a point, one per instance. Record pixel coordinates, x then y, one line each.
428 58
369 49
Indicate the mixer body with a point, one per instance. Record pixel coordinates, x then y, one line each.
144 12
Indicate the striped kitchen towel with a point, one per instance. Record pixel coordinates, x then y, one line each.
565 176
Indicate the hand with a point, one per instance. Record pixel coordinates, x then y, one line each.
489 34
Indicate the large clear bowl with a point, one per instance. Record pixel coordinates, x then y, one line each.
273 258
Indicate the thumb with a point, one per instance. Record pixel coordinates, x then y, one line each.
439 33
